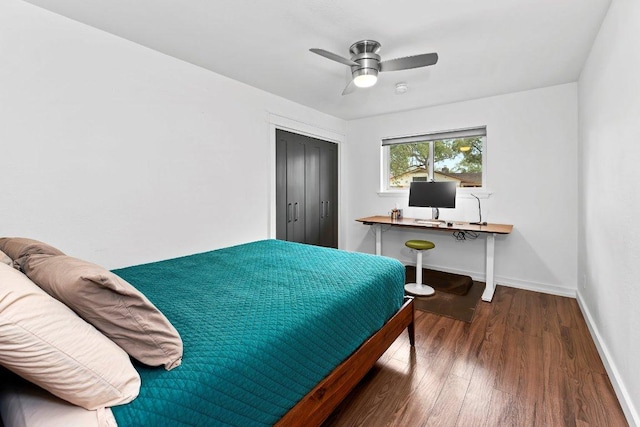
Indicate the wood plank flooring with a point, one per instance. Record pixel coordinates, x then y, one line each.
526 360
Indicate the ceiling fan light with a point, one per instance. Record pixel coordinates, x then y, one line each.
365 77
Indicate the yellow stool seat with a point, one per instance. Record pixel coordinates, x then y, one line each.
421 245
418 288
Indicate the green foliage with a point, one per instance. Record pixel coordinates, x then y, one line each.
454 149
405 158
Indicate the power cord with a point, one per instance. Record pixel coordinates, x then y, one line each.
465 235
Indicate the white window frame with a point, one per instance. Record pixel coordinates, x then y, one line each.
433 136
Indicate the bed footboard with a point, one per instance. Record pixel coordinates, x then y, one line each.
320 402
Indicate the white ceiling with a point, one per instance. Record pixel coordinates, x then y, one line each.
485 48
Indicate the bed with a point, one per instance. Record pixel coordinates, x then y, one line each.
274 332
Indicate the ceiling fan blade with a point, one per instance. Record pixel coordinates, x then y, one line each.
350 88
334 57
409 62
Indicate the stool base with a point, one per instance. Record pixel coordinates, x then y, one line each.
419 290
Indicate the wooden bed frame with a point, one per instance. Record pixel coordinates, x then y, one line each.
320 402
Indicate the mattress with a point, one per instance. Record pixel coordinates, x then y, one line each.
262 323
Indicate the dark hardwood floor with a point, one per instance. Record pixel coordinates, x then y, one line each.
526 360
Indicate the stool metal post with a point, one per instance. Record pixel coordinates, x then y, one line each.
419 270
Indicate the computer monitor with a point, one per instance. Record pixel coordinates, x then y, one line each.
433 195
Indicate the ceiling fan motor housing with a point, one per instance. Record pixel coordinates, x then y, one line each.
365 53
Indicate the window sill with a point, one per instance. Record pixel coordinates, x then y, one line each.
397 193
465 193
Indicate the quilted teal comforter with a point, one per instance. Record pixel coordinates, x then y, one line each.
262 323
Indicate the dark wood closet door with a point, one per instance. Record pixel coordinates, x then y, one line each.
306 189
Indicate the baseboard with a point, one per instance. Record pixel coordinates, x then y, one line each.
544 288
630 412
537 287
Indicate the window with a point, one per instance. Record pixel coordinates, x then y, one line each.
443 156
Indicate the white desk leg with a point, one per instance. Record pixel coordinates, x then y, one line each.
490 288
378 230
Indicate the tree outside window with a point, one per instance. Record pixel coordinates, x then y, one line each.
444 159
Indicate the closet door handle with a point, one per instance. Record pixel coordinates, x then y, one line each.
289 212
322 209
297 211
328 210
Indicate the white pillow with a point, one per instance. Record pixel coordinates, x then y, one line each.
46 343
4 259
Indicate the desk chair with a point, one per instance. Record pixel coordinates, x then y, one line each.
418 289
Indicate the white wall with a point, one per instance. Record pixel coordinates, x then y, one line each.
609 203
531 170
119 154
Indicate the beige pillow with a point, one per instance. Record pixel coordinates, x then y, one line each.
4 259
46 343
111 304
18 247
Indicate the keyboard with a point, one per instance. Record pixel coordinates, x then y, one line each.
428 221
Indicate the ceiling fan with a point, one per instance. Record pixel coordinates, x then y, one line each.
365 63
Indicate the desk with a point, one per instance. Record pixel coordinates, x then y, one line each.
490 230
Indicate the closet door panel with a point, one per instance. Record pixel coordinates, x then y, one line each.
295 191
281 187
312 178
329 195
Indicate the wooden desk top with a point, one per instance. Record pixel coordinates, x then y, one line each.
457 225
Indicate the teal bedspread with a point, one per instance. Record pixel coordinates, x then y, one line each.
262 323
